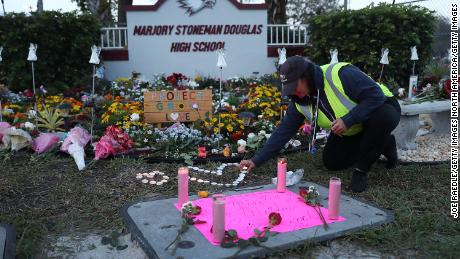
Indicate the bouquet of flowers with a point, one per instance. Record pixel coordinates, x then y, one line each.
264 100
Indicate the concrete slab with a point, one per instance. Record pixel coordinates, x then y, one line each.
7 242
147 219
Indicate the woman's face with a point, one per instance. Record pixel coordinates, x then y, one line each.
302 88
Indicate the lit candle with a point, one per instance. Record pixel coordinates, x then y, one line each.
281 180
218 217
182 185
334 198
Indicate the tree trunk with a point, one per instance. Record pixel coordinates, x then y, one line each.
277 11
40 6
121 12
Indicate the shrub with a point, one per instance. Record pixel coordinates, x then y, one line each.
359 35
64 48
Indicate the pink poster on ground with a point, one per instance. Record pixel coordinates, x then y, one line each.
245 212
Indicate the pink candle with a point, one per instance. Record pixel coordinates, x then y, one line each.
281 180
334 198
182 185
218 217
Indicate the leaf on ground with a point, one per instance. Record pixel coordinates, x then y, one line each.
262 239
122 247
105 240
227 244
243 243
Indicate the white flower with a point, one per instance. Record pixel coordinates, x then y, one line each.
193 84
262 133
187 204
241 143
134 117
29 126
146 140
32 114
268 135
149 132
251 135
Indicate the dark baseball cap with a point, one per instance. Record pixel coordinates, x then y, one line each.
290 71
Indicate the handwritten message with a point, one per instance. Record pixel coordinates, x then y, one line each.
177 106
245 212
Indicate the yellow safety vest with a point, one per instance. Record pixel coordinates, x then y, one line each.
341 104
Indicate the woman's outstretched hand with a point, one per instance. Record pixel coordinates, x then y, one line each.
247 165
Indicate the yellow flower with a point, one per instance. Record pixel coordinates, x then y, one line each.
203 194
216 130
229 128
76 108
105 118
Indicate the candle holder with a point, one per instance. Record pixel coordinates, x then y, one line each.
334 197
281 174
182 185
218 217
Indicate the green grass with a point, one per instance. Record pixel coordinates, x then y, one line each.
47 195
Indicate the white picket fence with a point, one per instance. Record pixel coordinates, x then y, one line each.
287 35
277 35
114 37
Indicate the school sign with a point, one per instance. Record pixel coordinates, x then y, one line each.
184 35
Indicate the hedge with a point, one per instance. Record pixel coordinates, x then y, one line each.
64 48
360 35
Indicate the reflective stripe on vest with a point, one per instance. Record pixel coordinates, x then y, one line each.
342 98
305 110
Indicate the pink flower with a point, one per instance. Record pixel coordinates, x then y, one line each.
105 147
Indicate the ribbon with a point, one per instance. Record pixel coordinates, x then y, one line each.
282 55
221 59
32 52
95 51
334 56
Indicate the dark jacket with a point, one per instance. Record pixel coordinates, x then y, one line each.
357 85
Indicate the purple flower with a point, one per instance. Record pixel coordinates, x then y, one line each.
43 90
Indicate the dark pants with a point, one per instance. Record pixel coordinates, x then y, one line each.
363 149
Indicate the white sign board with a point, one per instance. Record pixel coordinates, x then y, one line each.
184 36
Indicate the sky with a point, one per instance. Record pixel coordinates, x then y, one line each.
441 6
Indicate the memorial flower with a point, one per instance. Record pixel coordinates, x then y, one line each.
29 126
188 213
229 125
274 218
264 101
134 117
231 238
311 197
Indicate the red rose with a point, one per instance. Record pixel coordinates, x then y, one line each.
28 93
196 210
237 136
446 87
274 218
121 137
303 192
